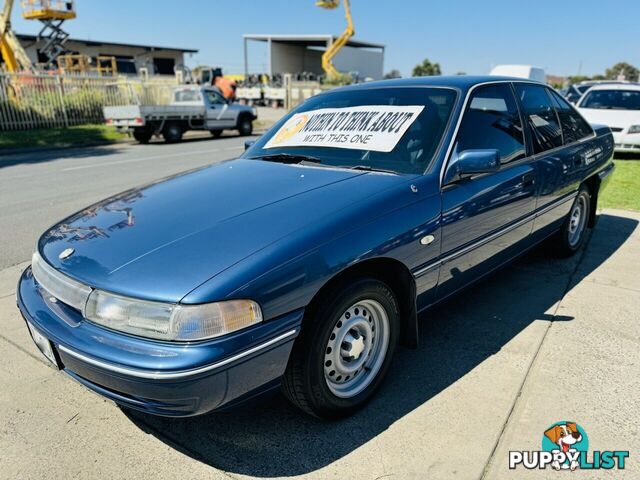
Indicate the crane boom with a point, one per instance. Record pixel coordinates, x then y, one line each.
12 52
335 47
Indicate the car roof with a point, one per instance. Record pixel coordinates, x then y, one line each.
463 82
616 86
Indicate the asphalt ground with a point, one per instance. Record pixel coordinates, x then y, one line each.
541 341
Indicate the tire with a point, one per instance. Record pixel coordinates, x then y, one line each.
325 381
172 133
573 233
216 133
142 135
245 126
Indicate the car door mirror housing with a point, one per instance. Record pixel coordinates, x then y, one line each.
248 144
473 162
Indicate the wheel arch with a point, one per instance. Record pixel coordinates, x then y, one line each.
396 276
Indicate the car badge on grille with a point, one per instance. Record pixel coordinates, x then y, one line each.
66 253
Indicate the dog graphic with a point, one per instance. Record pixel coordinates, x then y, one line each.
565 436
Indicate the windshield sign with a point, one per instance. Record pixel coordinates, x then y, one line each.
381 129
376 128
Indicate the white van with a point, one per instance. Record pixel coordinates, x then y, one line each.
521 71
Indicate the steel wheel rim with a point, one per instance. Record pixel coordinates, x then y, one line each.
356 348
577 220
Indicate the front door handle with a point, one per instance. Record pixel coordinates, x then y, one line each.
528 179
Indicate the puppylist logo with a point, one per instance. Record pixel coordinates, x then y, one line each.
565 446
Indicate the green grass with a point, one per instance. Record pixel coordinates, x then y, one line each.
60 137
623 190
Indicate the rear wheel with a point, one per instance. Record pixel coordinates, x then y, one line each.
245 126
142 135
216 133
574 230
344 350
172 133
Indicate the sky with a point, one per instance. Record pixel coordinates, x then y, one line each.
565 37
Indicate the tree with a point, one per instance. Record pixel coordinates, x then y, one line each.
393 74
629 72
426 68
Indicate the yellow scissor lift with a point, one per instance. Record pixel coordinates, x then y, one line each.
52 14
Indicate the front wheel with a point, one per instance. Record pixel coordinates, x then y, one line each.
574 229
344 350
245 126
216 133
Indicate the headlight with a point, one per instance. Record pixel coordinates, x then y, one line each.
165 321
634 129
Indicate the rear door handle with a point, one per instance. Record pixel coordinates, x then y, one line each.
528 179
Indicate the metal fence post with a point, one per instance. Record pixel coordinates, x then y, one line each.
287 89
62 102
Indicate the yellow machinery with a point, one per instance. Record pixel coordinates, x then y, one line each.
103 65
46 10
52 14
13 54
335 47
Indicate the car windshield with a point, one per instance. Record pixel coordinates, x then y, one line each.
389 129
612 100
582 88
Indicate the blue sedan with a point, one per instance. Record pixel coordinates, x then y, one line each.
303 264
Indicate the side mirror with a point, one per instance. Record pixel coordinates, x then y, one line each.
473 162
248 144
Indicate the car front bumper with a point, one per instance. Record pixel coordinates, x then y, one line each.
625 142
162 378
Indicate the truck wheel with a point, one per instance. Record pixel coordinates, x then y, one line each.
142 135
574 229
343 351
216 133
245 126
172 133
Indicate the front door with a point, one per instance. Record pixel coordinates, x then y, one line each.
486 218
219 115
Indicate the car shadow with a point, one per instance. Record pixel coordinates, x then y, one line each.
159 141
9 159
273 439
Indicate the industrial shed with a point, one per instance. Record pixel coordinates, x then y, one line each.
303 53
129 57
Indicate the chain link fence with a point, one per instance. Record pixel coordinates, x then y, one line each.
29 101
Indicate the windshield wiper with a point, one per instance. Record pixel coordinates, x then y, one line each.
287 158
368 168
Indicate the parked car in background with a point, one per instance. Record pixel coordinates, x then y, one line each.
305 262
572 93
520 71
618 107
192 107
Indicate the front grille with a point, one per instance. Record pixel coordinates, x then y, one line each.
616 129
60 286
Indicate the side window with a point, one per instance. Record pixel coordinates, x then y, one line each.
574 127
540 116
214 98
492 121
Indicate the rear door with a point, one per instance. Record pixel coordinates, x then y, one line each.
485 218
557 134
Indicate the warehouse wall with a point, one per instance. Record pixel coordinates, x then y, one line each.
368 63
286 58
142 57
